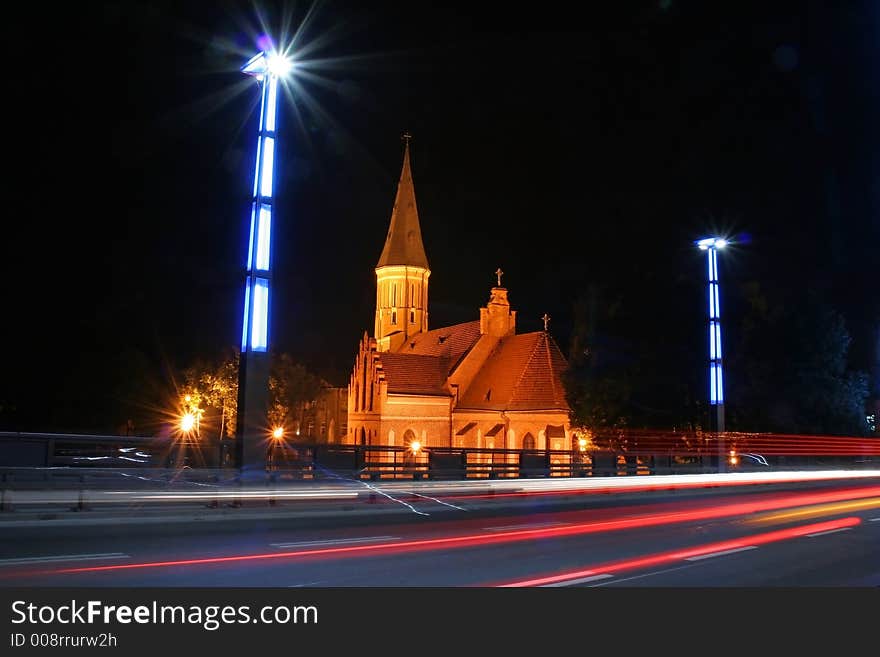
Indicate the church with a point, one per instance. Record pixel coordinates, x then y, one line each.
477 384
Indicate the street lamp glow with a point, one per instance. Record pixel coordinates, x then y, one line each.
415 446
187 422
582 444
273 63
278 433
278 65
712 243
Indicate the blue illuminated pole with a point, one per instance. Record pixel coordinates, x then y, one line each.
253 374
711 245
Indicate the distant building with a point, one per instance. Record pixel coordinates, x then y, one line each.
476 384
323 419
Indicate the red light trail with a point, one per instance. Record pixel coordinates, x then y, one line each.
481 539
678 555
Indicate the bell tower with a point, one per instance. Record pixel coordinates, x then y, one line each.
402 272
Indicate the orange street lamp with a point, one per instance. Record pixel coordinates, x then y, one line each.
187 422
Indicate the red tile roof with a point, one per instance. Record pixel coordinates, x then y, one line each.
415 374
422 364
449 342
522 373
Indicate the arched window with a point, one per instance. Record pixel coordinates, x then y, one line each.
364 391
363 440
528 441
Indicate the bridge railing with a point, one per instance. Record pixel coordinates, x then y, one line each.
62 455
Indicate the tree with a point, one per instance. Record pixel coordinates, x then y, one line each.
789 371
597 397
215 384
626 372
291 388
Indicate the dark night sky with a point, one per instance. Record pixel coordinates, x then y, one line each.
568 147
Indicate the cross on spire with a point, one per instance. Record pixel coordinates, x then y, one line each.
499 274
546 319
406 137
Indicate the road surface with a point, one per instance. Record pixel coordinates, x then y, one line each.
823 533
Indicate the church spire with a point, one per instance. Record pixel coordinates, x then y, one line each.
402 273
403 246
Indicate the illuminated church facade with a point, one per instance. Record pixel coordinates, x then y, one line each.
477 384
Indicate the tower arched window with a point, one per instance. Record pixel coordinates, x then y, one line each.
364 391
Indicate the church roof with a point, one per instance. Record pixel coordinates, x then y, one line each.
522 373
415 374
449 342
403 246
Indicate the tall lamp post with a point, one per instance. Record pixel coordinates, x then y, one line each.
253 374
711 245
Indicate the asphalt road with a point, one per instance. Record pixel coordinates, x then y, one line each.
805 534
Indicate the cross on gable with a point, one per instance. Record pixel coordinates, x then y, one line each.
499 274
546 319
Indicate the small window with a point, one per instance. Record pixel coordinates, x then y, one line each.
412 316
394 317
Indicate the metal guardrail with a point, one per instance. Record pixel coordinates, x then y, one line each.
64 454
381 462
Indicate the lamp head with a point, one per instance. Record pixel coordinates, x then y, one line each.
712 243
272 63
